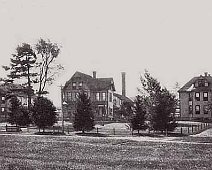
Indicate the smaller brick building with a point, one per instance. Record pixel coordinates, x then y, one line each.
195 96
6 90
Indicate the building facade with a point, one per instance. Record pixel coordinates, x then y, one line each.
7 90
195 97
99 90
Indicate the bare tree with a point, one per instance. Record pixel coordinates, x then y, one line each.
47 52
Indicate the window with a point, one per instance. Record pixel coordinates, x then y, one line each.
197 109
196 84
190 109
3 99
111 111
74 85
206 84
190 96
2 109
190 103
103 96
80 85
197 96
73 97
69 96
97 96
205 109
201 83
110 97
205 96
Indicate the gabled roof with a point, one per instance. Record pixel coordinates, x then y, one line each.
189 86
123 98
6 88
96 84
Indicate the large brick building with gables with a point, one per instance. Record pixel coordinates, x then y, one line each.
195 96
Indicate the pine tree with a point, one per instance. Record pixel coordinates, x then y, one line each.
138 121
161 104
43 113
163 115
84 117
21 66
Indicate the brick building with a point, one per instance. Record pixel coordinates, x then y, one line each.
195 96
7 90
99 90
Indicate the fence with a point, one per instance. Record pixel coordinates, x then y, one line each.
192 129
186 129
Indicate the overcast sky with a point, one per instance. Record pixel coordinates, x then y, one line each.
172 39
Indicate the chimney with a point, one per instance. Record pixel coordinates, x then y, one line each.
123 84
206 74
94 74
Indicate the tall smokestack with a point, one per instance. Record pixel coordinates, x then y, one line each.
94 74
123 84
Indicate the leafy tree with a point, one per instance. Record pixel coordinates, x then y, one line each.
18 114
84 117
47 52
161 104
126 110
43 113
138 120
21 67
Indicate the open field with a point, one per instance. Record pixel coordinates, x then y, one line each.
77 152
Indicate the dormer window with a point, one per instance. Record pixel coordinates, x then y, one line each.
201 83
80 85
206 84
74 85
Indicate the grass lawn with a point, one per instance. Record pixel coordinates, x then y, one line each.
77 152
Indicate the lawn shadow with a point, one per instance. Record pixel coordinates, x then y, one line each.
91 134
160 135
49 133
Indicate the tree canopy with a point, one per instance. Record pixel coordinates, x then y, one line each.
43 113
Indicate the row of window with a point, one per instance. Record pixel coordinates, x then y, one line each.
99 96
198 98
197 109
201 83
72 96
76 85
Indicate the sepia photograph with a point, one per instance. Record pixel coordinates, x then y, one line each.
105 85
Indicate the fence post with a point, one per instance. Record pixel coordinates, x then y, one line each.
192 129
68 129
188 129
97 130
201 126
114 131
6 128
181 130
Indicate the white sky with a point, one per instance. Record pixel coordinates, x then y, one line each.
172 39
